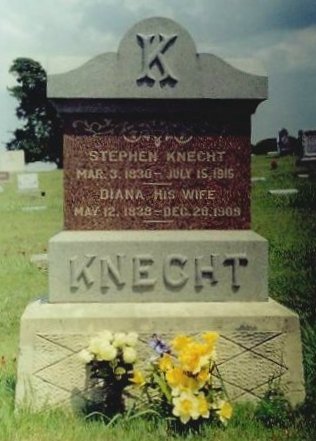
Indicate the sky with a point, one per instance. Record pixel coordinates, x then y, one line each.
273 36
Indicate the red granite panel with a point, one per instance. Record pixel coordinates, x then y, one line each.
137 180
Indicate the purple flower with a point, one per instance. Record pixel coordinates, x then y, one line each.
159 345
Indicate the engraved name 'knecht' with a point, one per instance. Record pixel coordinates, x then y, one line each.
175 270
194 156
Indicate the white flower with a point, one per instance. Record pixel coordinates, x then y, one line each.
131 339
85 356
106 352
95 344
129 355
106 336
119 339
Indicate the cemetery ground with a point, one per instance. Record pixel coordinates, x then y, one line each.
289 224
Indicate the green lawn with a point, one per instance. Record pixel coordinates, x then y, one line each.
289 223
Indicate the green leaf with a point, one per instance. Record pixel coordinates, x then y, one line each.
163 386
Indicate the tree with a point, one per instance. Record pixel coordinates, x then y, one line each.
41 135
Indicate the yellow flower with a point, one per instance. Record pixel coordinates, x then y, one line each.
203 377
165 363
180 342
224 411
210 337
194 357
180 382
203 406
186 407
138 378
190 384
175 377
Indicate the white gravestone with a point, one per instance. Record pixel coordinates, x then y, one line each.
28 182
12 161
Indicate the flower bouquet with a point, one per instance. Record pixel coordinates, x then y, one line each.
110 362
177 383
182 380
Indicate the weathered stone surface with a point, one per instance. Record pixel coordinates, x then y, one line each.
164 266
157 58
258 343
40 260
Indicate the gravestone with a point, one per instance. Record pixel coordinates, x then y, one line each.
28 182
258 179
4 177
32 208
283 191
157 232
12 161
307 139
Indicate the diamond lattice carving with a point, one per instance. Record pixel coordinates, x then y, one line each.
47 353
247 362
68 373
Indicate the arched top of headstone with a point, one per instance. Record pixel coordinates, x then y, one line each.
157 59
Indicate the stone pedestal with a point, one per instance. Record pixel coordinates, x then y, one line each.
259 342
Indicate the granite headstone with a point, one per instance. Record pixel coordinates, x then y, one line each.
157 220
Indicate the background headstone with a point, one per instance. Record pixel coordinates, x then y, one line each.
307 147
12 160
258 179
28 182
4 176
283 191
39 166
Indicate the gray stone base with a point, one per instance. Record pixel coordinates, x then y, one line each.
259 341
172 266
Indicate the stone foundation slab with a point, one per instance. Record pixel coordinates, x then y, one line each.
259 342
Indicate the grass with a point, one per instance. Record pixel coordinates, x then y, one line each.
288 223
